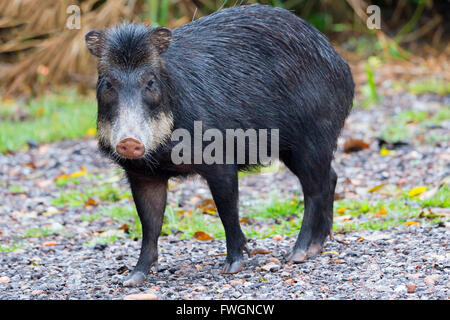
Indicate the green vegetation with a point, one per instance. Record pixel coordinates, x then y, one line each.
53 117
282 216
11 247
106 192
425 85
369 90
398 129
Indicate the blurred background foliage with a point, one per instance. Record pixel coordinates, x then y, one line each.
38 51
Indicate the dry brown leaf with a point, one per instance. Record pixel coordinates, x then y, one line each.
355 145
207 206
49 243
259 251
91 202
200 235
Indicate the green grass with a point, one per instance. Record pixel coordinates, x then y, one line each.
432 85
397 128
78 198
11 247
279 216
36 232
440 200
53 117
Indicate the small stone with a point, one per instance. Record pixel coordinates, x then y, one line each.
141 296
401 288
200 288
4 279
273 267
35 292
289 282
430 280
411 288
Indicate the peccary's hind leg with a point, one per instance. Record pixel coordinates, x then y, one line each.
150 195
223 183
318 181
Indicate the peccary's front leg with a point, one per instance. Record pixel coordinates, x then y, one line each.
223 183
150 195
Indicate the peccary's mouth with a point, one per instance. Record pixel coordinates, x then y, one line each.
131 136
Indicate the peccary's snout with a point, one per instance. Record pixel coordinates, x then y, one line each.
130 148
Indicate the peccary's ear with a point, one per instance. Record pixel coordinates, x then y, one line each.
94 41
161 38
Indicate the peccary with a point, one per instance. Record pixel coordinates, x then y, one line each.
246 67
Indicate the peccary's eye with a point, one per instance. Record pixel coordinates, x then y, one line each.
149 84
108 85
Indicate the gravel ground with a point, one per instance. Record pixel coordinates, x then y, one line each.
399 263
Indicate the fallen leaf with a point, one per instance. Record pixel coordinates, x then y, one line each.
354 145
277 237
386 189
91 202
61 176
384 152
207 206
376 188
244 220
259 251
78 173
382 212
200 235
91 132
346 217
49 243
330 252
412 223
416 191
341 210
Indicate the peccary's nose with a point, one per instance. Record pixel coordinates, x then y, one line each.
130 148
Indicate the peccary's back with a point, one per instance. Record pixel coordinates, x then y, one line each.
258 64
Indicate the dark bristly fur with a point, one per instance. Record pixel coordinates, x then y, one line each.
243 67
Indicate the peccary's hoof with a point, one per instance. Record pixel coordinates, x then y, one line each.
233 267
314 250
297 256
134 279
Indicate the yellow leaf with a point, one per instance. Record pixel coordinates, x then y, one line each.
384 152
40 111
78 173
91 132
412 223
49 244
341 210
330 252
376 188
62 176
382 212
416 191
